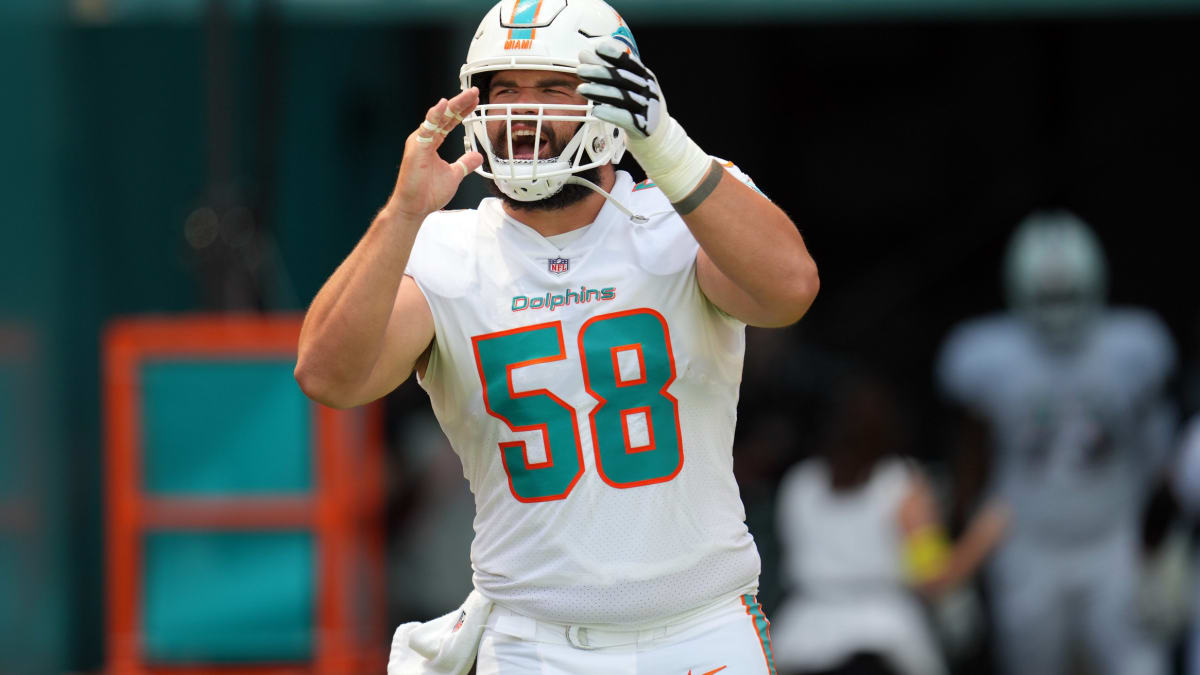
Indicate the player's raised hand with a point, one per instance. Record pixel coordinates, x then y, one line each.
427 182
625 91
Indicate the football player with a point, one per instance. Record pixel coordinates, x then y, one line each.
1071 399
580 338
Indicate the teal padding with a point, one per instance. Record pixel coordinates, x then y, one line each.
225 427
229 597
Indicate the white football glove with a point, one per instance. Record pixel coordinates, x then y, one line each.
625 91
627 95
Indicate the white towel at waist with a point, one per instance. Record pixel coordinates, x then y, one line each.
444 646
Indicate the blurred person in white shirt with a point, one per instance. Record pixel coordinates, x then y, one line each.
864 546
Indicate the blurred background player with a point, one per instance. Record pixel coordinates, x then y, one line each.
1066 421
581 341
863 545
1186 486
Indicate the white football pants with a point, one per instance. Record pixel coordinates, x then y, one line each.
1053 601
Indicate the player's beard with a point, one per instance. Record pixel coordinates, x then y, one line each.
568 195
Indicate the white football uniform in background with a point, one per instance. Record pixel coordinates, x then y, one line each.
1186 486
599 451
842 560
1077 436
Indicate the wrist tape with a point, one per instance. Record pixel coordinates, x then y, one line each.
672 160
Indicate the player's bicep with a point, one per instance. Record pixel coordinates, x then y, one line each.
726 295
410 331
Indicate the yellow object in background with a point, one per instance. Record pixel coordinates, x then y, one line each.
926 554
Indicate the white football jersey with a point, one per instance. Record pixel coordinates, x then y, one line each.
591 395
1077 433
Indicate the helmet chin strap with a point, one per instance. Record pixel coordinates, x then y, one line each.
635 217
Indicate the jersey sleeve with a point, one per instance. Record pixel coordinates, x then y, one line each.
1146 352
736 172
966 363
444 236
731 168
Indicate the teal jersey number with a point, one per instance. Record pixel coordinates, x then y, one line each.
496 355
627 366
638 336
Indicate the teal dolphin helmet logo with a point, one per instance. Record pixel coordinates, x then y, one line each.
625 35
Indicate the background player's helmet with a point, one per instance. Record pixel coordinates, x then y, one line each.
1056 276
540 35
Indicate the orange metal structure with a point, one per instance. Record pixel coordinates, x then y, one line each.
344 510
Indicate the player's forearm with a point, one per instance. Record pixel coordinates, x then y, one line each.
344 329
352 349
755 247
983 534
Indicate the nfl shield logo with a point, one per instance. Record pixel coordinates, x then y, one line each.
559 265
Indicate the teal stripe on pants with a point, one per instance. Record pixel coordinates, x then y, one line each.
762 627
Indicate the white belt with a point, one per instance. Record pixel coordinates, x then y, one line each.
508 622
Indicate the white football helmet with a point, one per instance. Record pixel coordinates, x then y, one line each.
541 35
1056 275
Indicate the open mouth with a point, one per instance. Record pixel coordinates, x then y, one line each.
524 142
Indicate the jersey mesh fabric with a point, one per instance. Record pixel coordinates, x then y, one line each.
604 553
